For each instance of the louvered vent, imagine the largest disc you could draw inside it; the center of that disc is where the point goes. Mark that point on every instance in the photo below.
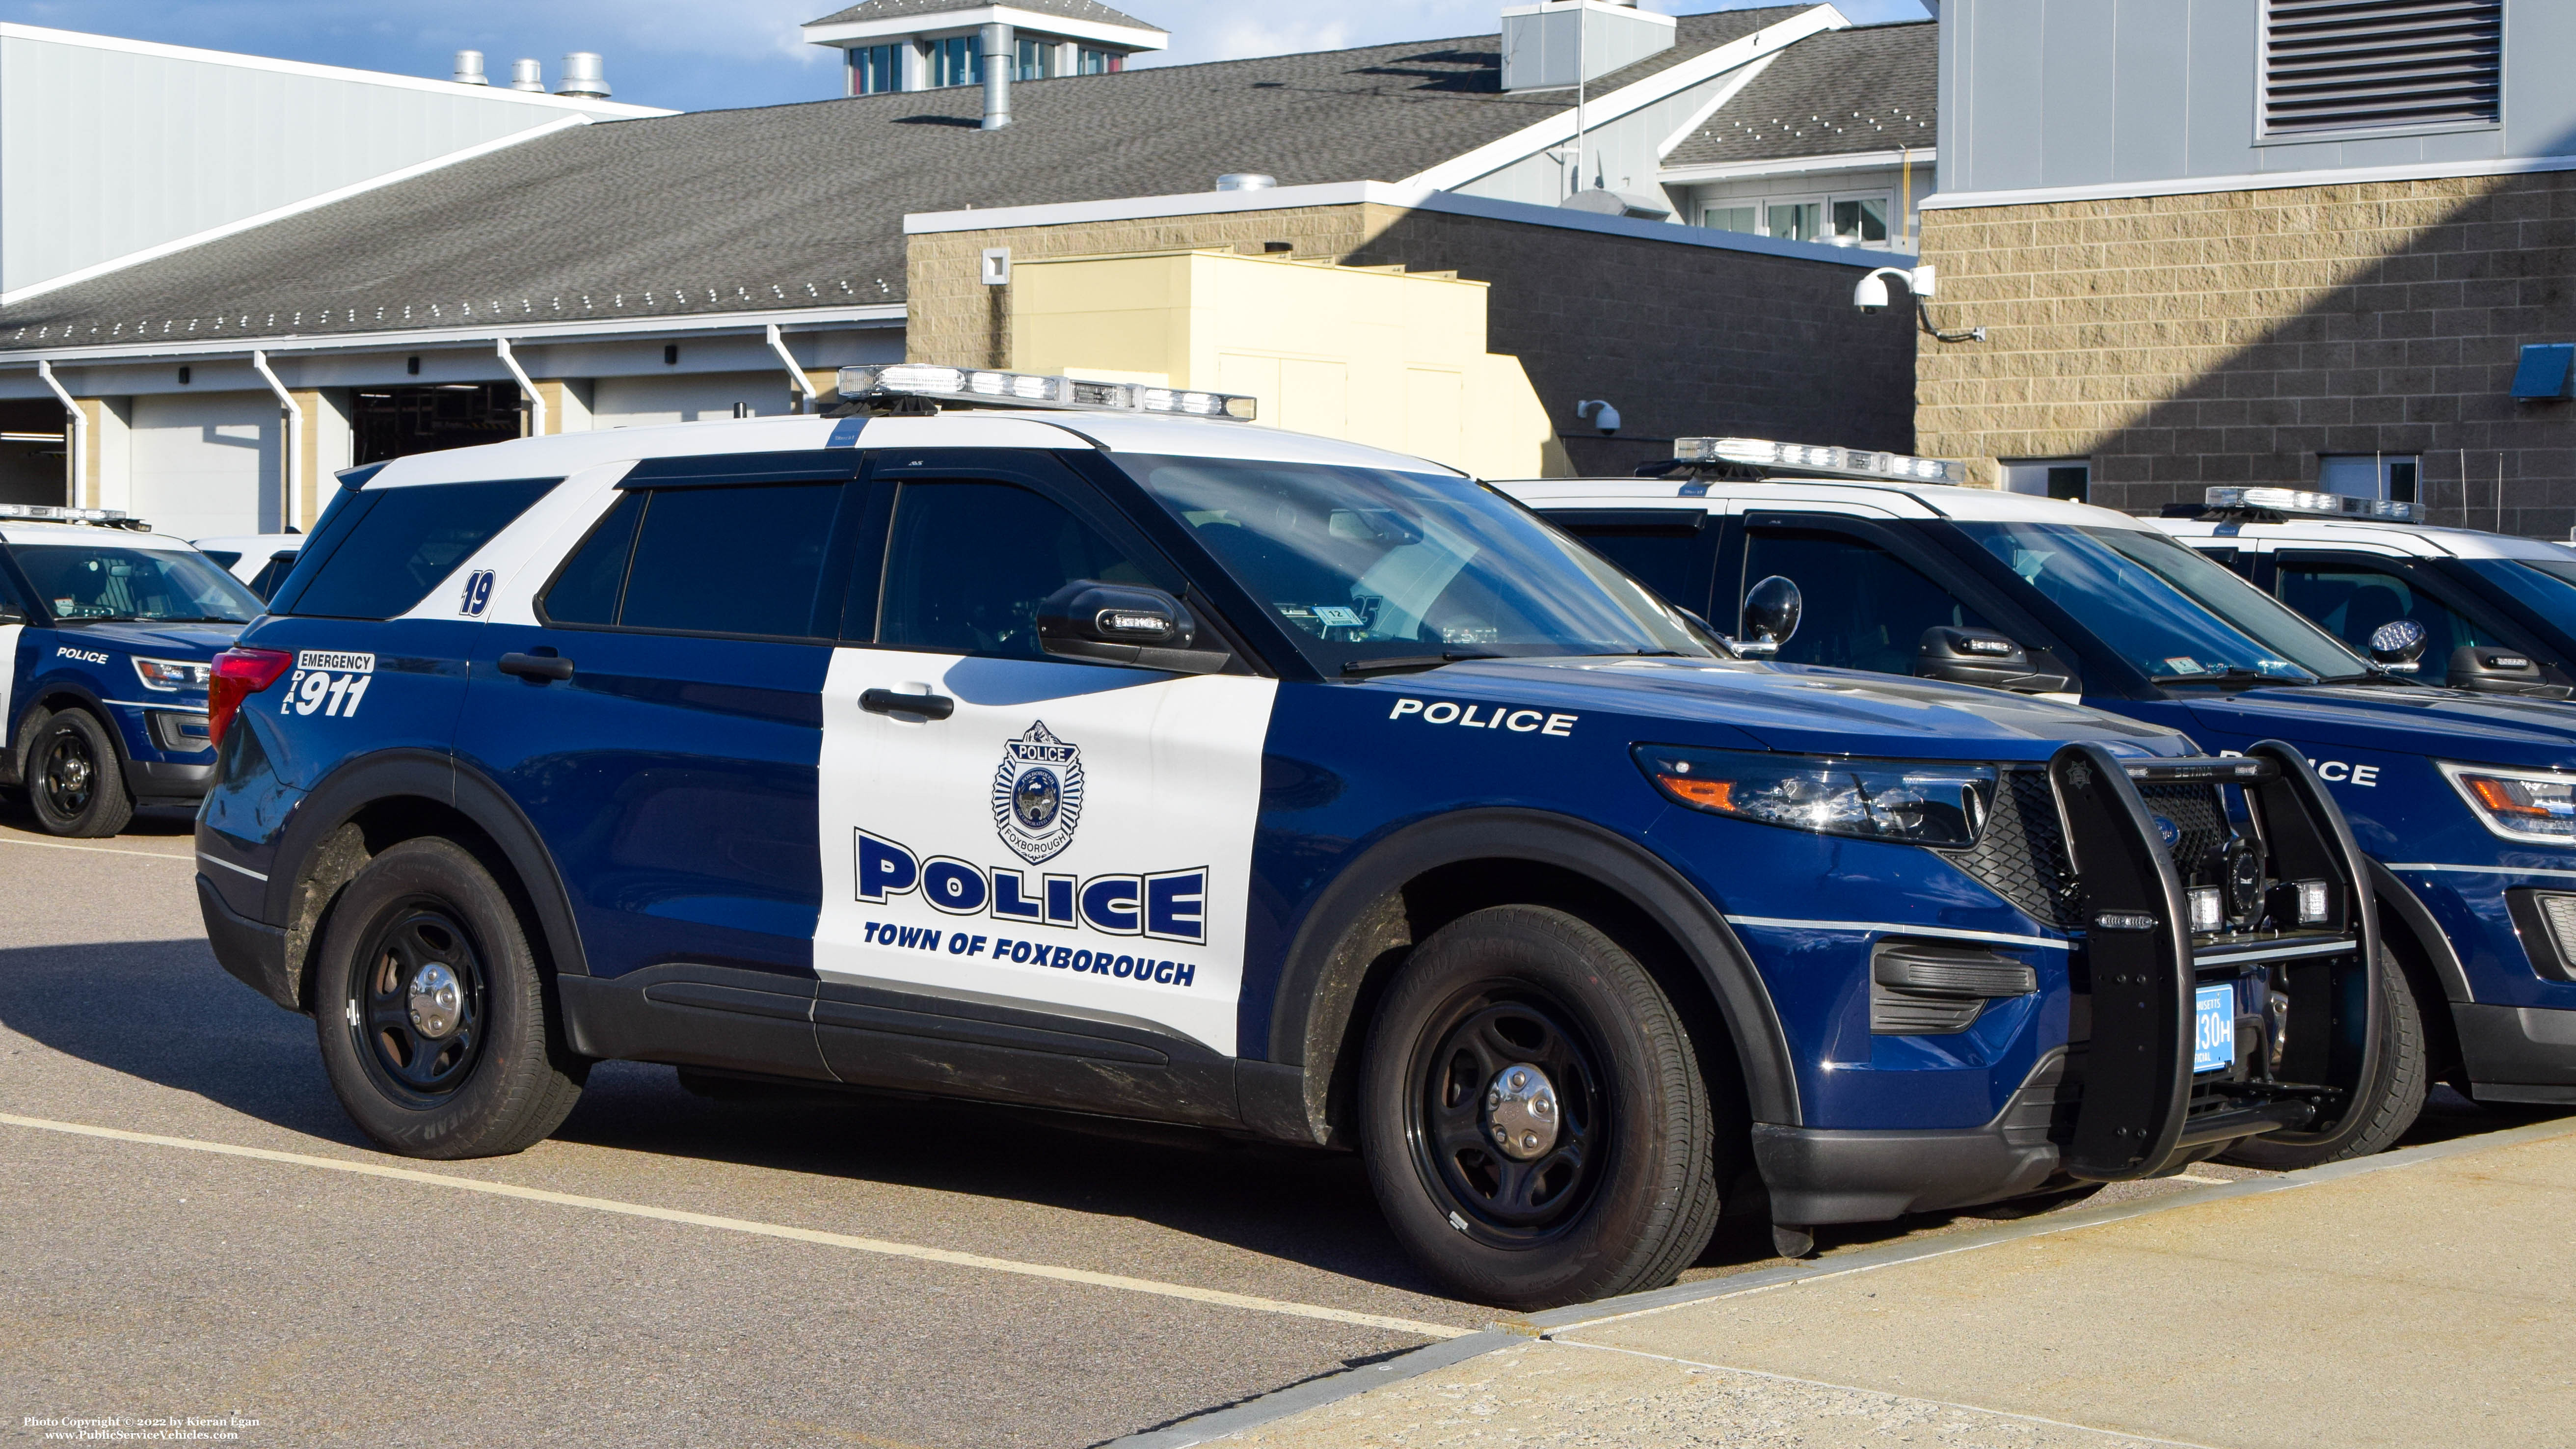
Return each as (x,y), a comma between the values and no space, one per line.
(2339,65)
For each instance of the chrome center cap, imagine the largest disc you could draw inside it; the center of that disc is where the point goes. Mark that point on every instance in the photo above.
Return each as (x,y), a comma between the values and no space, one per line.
(1521,1112)
(435,1000)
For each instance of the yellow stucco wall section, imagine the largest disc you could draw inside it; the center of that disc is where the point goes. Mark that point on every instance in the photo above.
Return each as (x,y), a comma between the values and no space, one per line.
(1374,355)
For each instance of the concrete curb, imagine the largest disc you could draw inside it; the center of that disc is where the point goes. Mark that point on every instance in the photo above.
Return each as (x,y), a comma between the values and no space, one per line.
(1331,1388)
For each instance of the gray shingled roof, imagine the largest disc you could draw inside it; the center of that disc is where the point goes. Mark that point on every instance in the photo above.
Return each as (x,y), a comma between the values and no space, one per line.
(900,9)
(802,205)
(1870,88)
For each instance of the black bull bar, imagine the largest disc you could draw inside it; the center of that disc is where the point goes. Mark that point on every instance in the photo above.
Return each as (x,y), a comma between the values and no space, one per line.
(2142,1112)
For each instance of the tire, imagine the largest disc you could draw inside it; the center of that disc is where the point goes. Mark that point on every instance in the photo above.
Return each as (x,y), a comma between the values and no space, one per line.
(1625,1194)
(460,1065)
(75,781)
(2388,1107)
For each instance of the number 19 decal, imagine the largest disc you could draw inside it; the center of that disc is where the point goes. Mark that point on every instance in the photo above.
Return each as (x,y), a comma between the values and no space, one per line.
(478,594)
(328,682)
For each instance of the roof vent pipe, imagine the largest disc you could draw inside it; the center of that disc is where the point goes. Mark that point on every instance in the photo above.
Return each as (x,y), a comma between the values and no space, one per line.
(583,77)
(1246,181)
(527,75)
(469,69)
(1001,57)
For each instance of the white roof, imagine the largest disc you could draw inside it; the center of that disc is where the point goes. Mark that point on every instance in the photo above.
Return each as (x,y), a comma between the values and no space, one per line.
(562,454)
(273,543)
(2413,540)
(37,535)
(1893,500)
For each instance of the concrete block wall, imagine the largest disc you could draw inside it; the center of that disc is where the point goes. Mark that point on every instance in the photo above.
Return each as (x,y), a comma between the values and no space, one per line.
(2235,337)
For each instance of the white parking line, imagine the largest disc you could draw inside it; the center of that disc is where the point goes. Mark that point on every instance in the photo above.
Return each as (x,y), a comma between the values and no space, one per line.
(757,1229)
(92,849)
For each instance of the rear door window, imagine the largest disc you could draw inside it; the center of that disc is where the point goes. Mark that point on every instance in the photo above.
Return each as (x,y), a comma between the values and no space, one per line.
(407,542)
(1667,550)
(2353,598)
(1865,608)
(747,561)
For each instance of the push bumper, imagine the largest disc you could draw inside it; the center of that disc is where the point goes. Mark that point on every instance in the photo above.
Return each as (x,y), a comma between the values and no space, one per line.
(2518,1053)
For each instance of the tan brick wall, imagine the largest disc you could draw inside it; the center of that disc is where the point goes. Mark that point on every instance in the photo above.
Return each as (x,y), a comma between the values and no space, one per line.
(2233,337)
(1683,339)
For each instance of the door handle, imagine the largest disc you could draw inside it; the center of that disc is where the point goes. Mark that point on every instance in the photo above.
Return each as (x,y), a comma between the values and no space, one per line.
(886,701)
(539,667)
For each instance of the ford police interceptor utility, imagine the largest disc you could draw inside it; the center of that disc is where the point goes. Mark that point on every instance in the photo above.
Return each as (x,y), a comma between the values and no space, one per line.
(2479,611)
(1097,756)
(2466,802)
(108,632)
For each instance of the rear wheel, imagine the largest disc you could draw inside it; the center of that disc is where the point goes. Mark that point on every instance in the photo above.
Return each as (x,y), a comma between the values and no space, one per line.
(75,785)
(431,1012)
(2388,1105)
(1534,1120)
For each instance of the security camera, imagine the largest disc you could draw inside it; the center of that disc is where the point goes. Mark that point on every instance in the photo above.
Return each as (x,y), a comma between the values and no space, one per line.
(1871,294)
(1603,416)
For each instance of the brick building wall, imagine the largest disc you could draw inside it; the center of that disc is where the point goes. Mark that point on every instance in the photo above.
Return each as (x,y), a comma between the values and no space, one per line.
(1682,339)
(2234,337)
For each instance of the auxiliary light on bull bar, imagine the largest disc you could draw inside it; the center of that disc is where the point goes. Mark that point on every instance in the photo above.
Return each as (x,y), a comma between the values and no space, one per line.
(1819,460)
(2312,505)
(980,387)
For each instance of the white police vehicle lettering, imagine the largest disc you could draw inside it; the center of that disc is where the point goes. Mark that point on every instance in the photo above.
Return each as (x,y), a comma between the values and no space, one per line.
(1502,717)
(84,656)
(327,682)
(2339,772)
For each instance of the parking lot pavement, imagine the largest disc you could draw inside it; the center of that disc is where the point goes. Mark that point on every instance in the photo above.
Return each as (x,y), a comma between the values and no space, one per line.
(189,1225)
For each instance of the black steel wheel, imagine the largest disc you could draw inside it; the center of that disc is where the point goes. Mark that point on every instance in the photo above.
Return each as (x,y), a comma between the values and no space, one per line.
(2388,1104)
(431,1010)
(1533,1116)
(75,782)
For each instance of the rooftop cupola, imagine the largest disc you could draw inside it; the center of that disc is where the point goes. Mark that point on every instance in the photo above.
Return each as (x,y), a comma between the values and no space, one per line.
(922,45)
(1556,44)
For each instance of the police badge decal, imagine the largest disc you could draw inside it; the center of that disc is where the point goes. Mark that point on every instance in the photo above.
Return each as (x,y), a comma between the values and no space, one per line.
(1037,794)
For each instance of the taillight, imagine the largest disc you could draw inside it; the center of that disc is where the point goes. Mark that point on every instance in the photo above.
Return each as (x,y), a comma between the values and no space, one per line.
(240,672)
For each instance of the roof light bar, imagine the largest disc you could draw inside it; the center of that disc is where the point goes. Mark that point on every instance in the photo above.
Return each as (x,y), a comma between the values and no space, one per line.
(1817,459)
(2321,505)
(982,387)
(41,513)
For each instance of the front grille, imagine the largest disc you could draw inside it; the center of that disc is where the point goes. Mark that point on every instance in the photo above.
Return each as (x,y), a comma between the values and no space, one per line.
(2021,855)
(2195,812)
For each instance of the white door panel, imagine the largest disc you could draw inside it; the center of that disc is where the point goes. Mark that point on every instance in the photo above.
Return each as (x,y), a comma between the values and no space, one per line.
(1074,835)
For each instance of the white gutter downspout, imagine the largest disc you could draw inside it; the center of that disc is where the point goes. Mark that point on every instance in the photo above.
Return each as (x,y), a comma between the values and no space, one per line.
(294,434)
(79,426)
(804,385)
(536,401)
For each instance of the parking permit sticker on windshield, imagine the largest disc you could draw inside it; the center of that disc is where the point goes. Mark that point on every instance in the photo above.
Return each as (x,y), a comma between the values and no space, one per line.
(1334,616)
(328,681)
(2183,664)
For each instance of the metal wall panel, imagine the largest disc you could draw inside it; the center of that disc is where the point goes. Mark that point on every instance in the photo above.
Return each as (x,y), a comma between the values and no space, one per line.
(207,463)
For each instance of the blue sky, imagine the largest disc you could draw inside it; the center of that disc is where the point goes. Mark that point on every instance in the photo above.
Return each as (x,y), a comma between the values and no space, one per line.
(695,55)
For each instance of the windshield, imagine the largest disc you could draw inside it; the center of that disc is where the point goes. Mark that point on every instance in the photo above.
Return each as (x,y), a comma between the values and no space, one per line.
(98,581)
(1365,566)
(2177,616)
(2546,586)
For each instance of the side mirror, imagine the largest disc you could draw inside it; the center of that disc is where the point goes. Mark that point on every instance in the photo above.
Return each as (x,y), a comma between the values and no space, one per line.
(1122,624)
(2482,669)
(1771,610)
(1981,656)
(2398,644)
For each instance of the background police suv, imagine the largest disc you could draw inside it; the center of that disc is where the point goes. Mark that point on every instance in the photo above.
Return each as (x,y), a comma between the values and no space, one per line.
(2466,802)
(1178,769)
(107,632)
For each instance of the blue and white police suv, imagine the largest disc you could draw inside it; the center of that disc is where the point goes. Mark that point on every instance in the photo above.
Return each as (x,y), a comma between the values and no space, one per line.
(2465,802)
(1106,753)
(108,632)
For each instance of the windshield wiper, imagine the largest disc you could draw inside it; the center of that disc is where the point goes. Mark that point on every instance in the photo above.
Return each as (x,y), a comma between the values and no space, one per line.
(1407,663)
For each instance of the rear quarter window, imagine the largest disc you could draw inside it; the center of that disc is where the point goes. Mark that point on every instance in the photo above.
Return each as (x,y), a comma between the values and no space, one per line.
(406,543)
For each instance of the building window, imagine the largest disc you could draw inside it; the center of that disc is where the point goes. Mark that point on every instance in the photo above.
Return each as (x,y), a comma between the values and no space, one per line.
(2392,476)
(1797,220)
(952,61)
(2067,478)
(1037,58)
(876,69)
(1102,62)
(2341,65)
(1730,218)
(1860,221)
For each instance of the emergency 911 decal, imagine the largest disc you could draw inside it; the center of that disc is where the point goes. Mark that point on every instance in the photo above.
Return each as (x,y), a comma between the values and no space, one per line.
(328,683)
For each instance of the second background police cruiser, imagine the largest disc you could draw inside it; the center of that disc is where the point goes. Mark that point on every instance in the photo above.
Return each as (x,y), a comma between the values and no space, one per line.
(108,632)
(1176,769)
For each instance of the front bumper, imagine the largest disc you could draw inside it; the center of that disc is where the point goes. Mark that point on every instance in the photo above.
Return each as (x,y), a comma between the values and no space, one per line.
(2529,1052)
(160,782)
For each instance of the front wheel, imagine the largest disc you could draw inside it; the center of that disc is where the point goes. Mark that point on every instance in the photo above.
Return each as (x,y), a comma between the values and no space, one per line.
(431,1012)
(1533,1116)
(75,785)
(2388,1105)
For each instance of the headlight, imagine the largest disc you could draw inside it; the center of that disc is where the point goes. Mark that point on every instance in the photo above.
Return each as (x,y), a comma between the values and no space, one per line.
(2532,805)
(1919,804)
(168,674)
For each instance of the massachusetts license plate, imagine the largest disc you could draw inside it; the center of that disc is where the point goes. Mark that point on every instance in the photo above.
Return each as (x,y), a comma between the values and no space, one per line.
(2213,1037)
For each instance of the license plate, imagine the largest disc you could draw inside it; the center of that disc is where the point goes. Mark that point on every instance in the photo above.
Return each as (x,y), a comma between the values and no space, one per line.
(2213,1037)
